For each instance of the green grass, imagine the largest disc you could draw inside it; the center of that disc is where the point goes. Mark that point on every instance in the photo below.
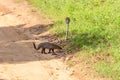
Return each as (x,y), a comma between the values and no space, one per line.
(94,27)
(112,71)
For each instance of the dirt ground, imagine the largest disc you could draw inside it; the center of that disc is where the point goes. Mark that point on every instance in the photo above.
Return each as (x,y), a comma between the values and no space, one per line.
(20,25)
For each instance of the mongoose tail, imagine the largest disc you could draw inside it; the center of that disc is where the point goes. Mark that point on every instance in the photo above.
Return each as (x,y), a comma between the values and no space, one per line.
(35,46)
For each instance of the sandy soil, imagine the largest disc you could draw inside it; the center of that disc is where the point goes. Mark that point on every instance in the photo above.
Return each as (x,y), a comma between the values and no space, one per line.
(20,25)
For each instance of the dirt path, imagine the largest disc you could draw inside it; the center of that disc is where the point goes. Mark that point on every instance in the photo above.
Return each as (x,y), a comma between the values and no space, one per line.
(18,59)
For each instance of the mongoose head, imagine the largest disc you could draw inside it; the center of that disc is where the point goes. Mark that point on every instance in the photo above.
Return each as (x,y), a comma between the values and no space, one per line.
(58,47)
(60,50)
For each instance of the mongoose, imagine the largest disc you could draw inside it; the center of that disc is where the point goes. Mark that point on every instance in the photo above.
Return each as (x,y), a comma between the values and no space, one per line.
(47,45)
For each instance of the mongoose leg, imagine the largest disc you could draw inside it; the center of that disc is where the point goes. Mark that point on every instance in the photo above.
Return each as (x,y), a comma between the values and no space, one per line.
(49,50)
(44,51)
(53,52)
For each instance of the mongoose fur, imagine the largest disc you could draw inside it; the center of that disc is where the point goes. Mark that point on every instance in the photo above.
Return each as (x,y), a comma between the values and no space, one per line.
(47,45)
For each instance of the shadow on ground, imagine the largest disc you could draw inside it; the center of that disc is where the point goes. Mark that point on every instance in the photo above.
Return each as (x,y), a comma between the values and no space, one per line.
(16,45)
(85,40)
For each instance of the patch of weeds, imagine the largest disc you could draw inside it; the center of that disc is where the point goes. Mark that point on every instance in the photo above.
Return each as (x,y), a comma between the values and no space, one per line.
(103,68)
